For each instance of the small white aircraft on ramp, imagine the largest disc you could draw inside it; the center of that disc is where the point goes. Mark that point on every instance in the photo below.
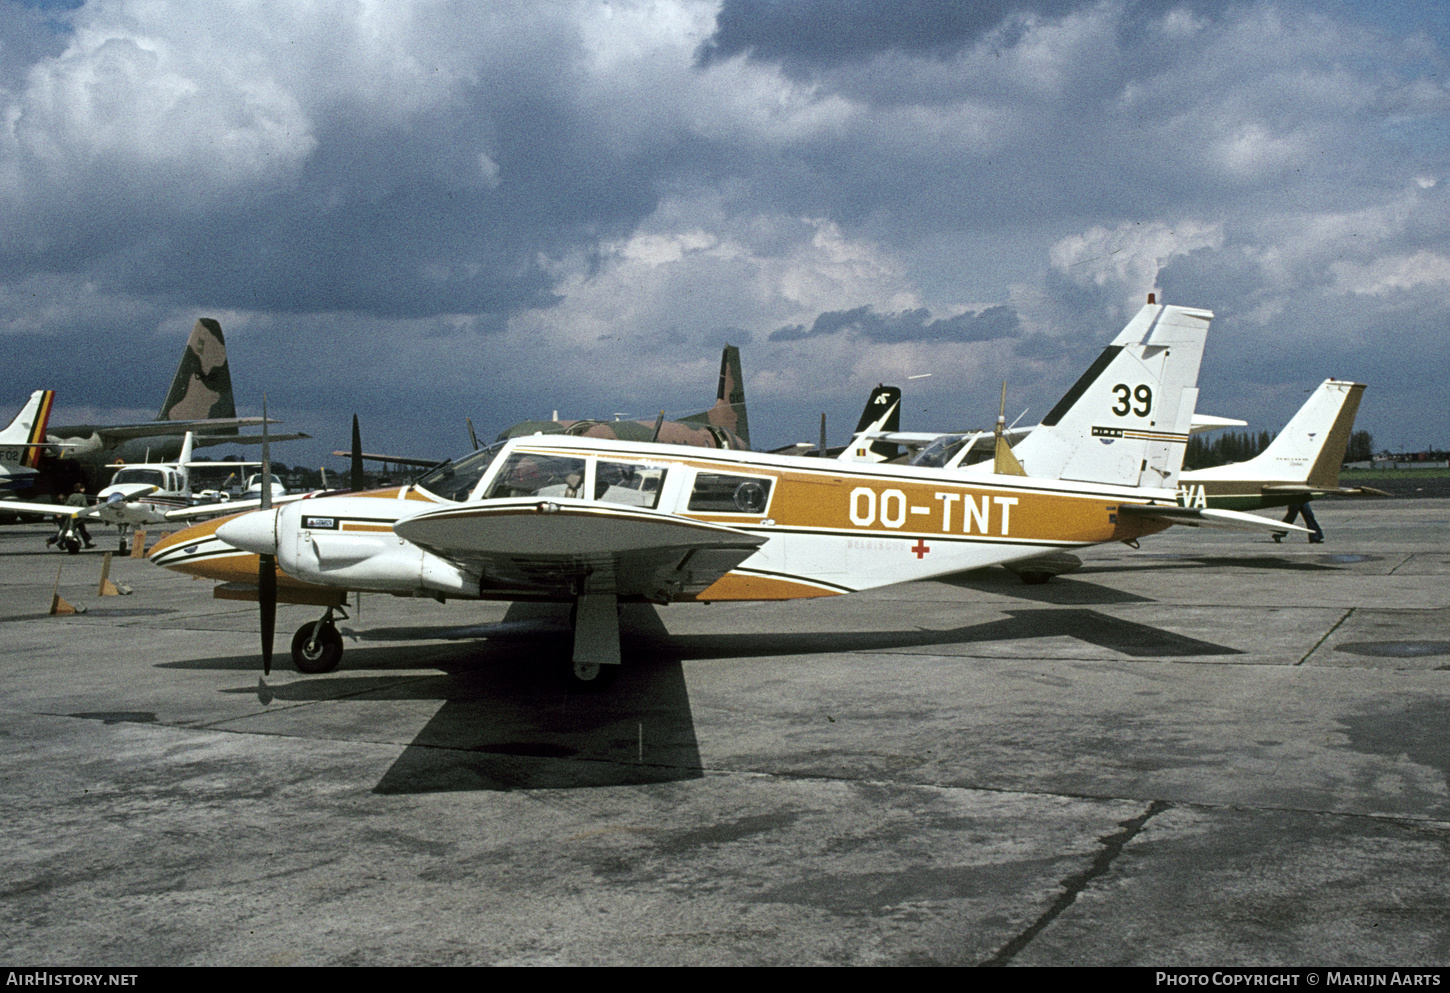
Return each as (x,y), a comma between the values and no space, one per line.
(138,495)
(598,522)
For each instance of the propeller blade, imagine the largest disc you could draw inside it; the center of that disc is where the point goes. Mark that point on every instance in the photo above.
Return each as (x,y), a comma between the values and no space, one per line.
(823,446)
(471,435)
(266,461)
(659,421)
(267,564)
(267,599)
(356,482)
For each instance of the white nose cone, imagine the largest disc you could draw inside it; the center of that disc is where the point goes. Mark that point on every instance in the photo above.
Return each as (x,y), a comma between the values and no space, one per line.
(254,532)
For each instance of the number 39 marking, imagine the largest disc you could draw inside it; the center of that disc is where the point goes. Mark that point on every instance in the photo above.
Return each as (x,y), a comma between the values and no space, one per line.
(1141,393)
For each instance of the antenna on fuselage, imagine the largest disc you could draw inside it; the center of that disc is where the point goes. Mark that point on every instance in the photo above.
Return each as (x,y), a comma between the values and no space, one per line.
(1006,463)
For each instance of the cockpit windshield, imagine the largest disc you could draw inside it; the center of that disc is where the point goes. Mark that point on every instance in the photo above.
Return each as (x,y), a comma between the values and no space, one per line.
(941,451)
(456,480)
(151,477)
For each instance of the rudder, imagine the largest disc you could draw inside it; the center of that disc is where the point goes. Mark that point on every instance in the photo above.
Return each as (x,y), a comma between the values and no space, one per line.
(202,387)
(1126,420)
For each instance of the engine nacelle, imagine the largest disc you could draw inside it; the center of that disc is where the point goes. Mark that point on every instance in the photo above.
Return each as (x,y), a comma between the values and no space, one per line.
(346,542)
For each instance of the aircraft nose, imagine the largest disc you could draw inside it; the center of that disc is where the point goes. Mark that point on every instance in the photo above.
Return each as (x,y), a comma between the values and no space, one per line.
(254,532)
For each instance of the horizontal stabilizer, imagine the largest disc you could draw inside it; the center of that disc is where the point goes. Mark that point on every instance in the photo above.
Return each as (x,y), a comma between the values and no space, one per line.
(1206,517)
(1207,422)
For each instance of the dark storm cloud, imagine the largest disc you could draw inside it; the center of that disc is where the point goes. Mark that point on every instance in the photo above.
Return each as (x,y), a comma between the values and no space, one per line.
(910,325)
(821,32)
(818,33)
(454,208)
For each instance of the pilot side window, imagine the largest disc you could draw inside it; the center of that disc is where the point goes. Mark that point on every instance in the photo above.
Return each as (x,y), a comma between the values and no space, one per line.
(632,485)
(529,474)
(718,493)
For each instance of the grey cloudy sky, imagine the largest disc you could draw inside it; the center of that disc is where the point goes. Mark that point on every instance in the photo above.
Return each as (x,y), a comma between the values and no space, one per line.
(423,211)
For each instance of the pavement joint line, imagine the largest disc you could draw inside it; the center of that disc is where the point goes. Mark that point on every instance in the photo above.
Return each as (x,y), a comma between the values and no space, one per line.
(1315,647)
(1403,561)
(1112,846)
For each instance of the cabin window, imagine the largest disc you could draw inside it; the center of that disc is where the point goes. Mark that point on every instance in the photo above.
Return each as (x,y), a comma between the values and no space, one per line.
(718,493)
(629,484)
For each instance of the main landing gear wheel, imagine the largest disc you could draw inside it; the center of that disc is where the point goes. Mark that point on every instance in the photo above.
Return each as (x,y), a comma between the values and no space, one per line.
(316,654)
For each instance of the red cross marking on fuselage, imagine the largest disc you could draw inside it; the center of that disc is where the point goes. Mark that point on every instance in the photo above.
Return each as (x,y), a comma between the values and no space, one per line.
(920,548)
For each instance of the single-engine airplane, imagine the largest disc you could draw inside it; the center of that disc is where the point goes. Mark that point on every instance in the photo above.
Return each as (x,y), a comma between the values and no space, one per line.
(596,522)
(1300,464)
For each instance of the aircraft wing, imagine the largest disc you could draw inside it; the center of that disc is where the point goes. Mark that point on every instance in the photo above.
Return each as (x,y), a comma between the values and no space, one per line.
(1207,517)
(396,459)
(150,429)
(50,509)
(207,440)
(229,506)
(567,544)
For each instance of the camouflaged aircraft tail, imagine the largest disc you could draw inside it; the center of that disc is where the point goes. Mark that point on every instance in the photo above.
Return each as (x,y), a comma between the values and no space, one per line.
(729,410)
(202,388)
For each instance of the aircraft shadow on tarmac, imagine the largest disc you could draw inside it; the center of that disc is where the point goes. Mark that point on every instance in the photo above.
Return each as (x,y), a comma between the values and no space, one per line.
(1278,563)
(506,723)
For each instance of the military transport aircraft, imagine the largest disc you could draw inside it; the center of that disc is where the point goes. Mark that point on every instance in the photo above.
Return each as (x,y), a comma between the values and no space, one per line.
(596,522)
(199,401)
(21,443)
(1300,464)
(724,425)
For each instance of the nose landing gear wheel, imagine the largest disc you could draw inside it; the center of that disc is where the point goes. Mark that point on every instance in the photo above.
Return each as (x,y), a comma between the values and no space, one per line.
(588,677)
(315,655)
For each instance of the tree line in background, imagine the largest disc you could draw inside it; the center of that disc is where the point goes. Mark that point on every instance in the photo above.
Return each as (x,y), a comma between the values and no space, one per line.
(1224,447)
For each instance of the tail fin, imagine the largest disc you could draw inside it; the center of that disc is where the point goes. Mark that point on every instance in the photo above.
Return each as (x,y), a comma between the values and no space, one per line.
(1311,447)
(188,441)
(203,384)
(27,430)
(729,409)
(882,413)
(1126,420)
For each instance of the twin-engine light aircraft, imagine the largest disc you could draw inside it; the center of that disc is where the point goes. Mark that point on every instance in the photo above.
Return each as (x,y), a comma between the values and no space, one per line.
(597,522)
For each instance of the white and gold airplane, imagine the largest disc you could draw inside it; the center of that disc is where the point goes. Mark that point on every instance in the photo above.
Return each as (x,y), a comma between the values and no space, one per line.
(596,522)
